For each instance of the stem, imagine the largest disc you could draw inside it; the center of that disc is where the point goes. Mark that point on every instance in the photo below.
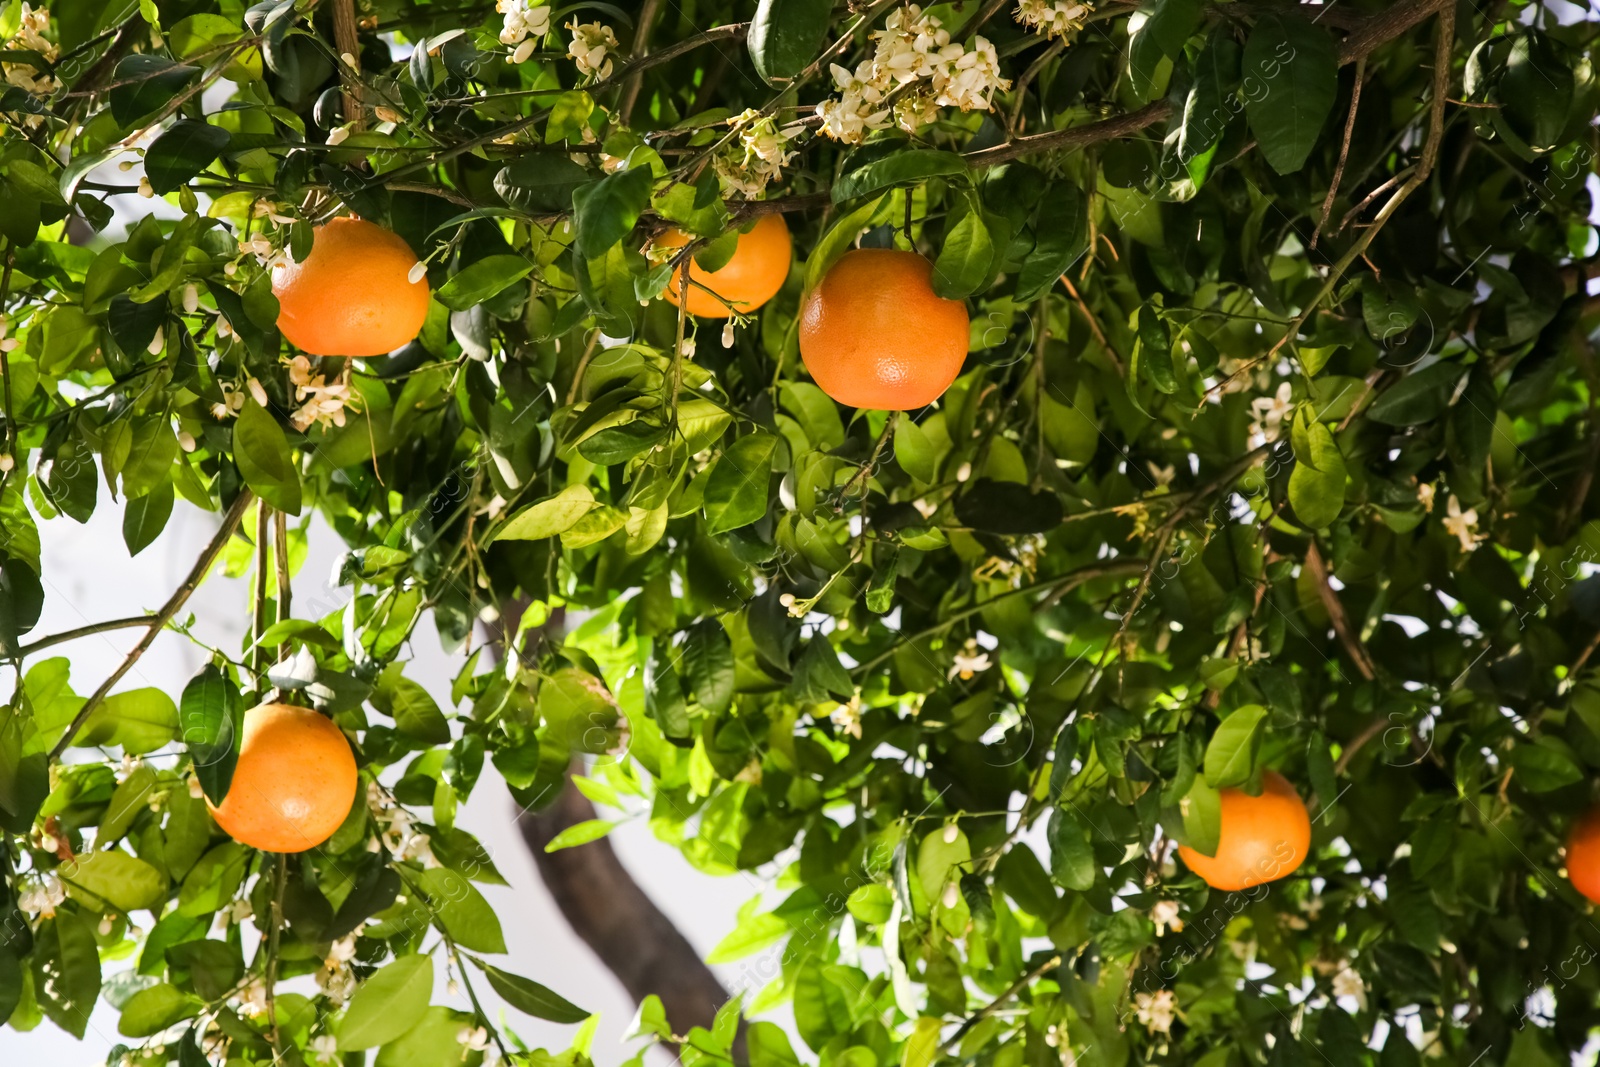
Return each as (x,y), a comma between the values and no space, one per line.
(5,366)
(180,596)
(280,544)
(994,1005)
(280,881)
(641,46)
(258,611)
(348,42)
(83,631)
(863,475)
(1344,151)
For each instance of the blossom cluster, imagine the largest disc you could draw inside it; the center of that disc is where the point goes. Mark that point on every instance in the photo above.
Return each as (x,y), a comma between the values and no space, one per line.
(915,69)
(321,402)
(525,24)
(1054,18)
(759,156)
(593,44)
(30,38)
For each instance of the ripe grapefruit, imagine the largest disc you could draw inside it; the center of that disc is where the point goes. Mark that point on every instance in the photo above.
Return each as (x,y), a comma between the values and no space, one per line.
(1263,838)
(353,295)
(1583,855)
(755,273)
(294,782)
(874,334)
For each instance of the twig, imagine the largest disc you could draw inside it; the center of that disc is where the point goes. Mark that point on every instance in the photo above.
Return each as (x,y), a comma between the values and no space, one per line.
(83,631)
(348,43)
(1094,326)
(1348,753)
(994,1005)
(1430,155)
(280,882)
(5,368)
(1344,151)
(1341,622)
(280,545)
(863,476)
(158,621)
(641,47)
(258,609)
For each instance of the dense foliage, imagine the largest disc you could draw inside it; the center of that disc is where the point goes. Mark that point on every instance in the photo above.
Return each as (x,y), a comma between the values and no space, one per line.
(1273,449)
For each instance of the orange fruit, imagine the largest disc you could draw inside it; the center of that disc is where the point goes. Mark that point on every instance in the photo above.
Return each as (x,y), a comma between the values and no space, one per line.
(1263,838)
(353,295)
(1583,855)
(294,782)
(873,333)
(757,270)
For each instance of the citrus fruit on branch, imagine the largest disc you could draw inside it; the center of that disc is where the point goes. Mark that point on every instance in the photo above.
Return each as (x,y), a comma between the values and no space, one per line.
(752,276)
(353,295)
(874,334)
(294,782)
(1583,855)
(1263,838)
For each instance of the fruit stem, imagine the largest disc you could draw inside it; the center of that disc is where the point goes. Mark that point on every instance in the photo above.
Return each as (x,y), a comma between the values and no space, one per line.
(258,613)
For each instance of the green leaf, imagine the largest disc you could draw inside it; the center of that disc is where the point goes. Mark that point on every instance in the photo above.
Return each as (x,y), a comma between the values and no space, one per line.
(482,281)
(150,1011)
(541,182)
(581,834)
(708,666)
(914,450)
(1008,508)
(963,264)
(1071,856)
(387,1004)
(1291,79)
(871,904)
(125,882)
(139,720)
(143,83)
(150,458)
(266,464)
(211,720)
(842,234)
(1201,808)
(1419,397)
(901,168)
(1542,765)
(1060,231)
(435,1041)
(1536,90)
(736,493)
(767,1045)
(1154,354)
(550,516)
(66,970)
(21,600)
(463,911)
(413,709)
(145,517)
(1316,487)
(1158,31)
(1231,754)
(531,998)
(606,211)
(183,151)
(786,35)
(1206,113)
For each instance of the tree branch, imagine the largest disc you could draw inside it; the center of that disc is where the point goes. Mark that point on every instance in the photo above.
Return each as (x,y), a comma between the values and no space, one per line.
(159,620)
(1341,622)
(83,631)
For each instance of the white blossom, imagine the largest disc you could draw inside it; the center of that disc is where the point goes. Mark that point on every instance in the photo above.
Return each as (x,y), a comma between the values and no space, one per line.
(321,402)
(847,717)
(758,159)
(969,661)
(1061,18)
(1425,493)
(1348,983)
(1463,525)
(1269,413)
(44,898)
(1157,1010)
(592,46)
(325,1047)
(524,25)
(30,38)
(968,79)
(1164,913)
